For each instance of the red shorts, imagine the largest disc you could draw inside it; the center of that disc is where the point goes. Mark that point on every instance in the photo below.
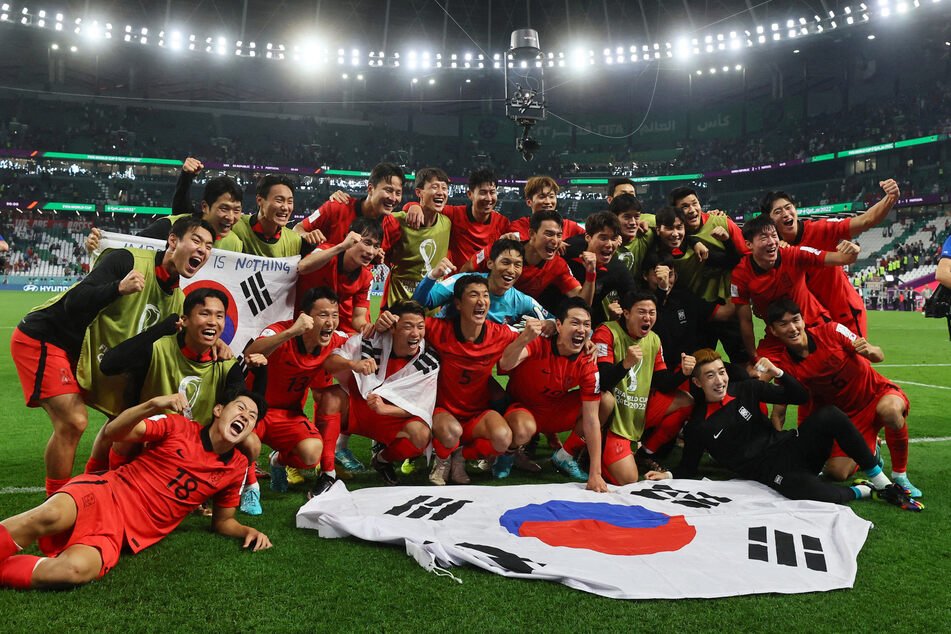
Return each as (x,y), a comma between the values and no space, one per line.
(283,429)
(657,405)
(468,424)
(363,421)
(868,423)
(560,414)
(615,448)
(45,370)
(98,522)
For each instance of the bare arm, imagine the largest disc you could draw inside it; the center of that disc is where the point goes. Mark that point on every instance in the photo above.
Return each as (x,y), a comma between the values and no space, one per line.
(129,426)
(867,350)
(744,314)
(224,523)
(846,253)
(321,257)
(513,353)
(267,345)
(877,212)
(592,438)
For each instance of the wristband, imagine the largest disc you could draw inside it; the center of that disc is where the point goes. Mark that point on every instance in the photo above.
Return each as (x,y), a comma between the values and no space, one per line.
(670,476)
(590,276)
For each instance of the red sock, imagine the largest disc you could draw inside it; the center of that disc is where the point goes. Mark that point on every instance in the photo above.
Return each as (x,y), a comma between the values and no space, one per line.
(52,486)
(17,571)
(479,448)
(441,450)
(94,465)
(401,449)
(668,428)
(573,444)
(293,460)
(8,547)
(116,460)
(251,477)
(897,441)
(329,425)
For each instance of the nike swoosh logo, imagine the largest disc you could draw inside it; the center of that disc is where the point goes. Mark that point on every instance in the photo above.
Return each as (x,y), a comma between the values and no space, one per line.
(717,435)
(180,454)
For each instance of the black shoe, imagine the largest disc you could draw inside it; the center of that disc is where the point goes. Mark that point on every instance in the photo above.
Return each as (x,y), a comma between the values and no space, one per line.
(645,462)
(324,482)
(532,446)
(385,469)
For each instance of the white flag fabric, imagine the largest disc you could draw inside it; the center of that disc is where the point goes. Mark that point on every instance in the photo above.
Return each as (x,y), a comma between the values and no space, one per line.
(649,540)
(260,290)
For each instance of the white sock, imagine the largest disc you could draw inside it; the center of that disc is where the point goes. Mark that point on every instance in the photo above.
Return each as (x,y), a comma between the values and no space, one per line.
(332,473)
(252,487)
(880,480)
(899,474)
(561,454)
(343,441)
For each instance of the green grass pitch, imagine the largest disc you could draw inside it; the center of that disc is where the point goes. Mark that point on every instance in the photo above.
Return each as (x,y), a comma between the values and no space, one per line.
(194,580)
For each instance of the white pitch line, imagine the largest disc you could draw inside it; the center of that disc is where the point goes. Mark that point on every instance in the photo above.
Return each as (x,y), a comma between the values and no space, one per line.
(6,490)
(938,387)
(941,439)
(912,365)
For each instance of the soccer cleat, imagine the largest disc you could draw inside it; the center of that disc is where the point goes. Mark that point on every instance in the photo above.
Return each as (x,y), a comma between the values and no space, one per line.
(569,468)
(293,475)
(278,475)
(878,456)
(457,468)
(503,465)
(385,469)
(906,484)
(324,482)
(251,502)
(532,446)
(408,466)
(261,473)
(484,464)
(524,463)
(645,462)
(440,471)
(349,462)
(895,494)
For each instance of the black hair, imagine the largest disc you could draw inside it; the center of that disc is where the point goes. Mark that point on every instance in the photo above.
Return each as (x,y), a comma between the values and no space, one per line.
(368,227)
(267,182)
(189,223)
(236,391)
(540,216)
(757,225)
(679,193)
(602,220)
(218,187)
(632,297)
(776,310)
(428,174)
(666,216)
(466,280)
(383,172)
(407,307)
(625,203)
(198,296)
(506,244)
(614,182)
(315,293)
(770,198)
(653,259)
(570,303)
(478,177)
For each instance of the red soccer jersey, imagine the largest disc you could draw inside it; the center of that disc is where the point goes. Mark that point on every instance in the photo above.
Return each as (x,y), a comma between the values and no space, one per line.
(546,375)
(603,338)
(291,369)
(353,289)
(469,236)
(466,367)
(333,220)
(834,373)
(830,285)
(522,227)
(177,471)
(534,279)
(761,287)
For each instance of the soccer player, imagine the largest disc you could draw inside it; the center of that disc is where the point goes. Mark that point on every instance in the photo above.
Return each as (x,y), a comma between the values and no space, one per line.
(384,191)
(262,233)
(733,428)
(390,382)
(542,269)
(541,194)
(833,363)
(611,277)
(636,236)
(619,186)
(772,272)
(469,346)
(83,528)
(710,229)
(346,268)
(645,391)
(419,249)
(296,350)
(507,304)
(474,225)
(126,292)
(943,272)
(830,286)
(542,375)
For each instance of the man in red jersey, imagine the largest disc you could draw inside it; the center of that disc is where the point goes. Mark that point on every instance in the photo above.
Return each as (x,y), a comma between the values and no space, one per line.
(346,268)
(469,347)
(772,272)
(834,365)
(541,194)
(388,386)
(542,375)
(830,286)
(330,222)
(83,527)
(296,351)
(474,226)
(542,269)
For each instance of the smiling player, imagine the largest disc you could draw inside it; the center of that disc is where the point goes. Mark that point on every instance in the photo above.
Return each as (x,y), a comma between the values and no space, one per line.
(262,233)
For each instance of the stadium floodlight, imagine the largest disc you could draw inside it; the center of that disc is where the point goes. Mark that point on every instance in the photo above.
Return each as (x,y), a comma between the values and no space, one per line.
(902,7)
(739,67)
(759,28)
(415,80)
(360,77)
(849,20)
(54,46)
(761,39)
(432,81)
(871,36)
(713,71)
(774,26)
(73,49)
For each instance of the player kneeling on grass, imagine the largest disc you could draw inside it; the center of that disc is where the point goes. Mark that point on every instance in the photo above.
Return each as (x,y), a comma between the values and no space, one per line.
(732,426)
(543,375)
(83,527)
(391,380)
(834,365)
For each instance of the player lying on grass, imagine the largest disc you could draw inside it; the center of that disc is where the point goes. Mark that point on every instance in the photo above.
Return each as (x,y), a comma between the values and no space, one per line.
(83,527)
(835,365)
(732,426)
(388,386)
(542,375)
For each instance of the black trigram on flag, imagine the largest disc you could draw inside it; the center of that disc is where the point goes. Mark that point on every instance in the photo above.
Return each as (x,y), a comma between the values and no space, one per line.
(428,507)
(367,351)
(504,559)
(255,291)
(784,548)
(698,500)
(427,362)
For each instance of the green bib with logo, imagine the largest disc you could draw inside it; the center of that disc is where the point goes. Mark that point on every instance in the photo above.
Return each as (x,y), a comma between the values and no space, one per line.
(630,394)
(415,255)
